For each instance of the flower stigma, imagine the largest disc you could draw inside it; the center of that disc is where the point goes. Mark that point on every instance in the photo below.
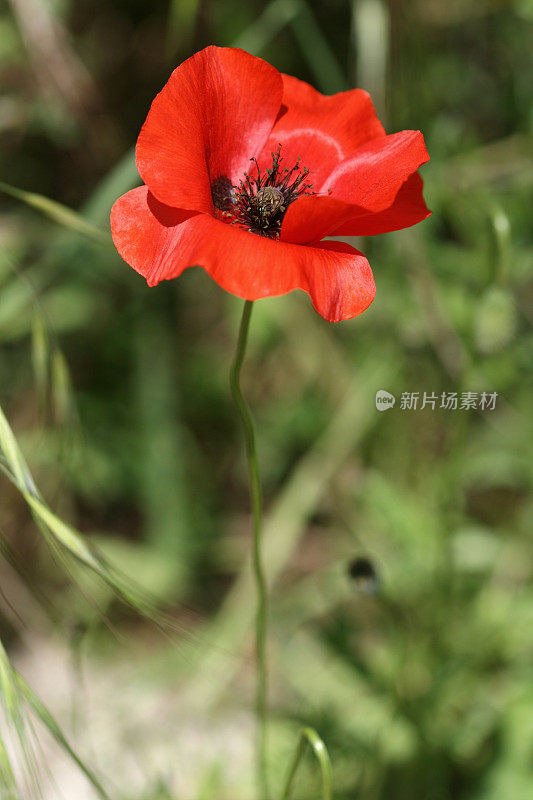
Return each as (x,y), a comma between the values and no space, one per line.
(259,203)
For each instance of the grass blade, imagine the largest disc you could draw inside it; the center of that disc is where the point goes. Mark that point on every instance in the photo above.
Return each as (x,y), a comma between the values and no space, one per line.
(274,18)
(18,725)
(182,15)
(8,786)
(44,715)
(57,212)
(310,737)
(65,540)
(320,56)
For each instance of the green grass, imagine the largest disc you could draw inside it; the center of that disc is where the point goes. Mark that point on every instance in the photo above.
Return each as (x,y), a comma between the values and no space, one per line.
(123,504)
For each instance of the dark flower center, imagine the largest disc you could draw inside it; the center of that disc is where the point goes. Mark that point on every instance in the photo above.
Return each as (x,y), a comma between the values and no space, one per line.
(259,203)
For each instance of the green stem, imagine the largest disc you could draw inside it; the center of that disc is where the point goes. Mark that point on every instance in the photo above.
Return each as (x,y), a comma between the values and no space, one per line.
(257,557)
(310,737)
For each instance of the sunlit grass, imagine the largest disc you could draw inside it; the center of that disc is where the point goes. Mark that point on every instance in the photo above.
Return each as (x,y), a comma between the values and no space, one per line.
(116,421)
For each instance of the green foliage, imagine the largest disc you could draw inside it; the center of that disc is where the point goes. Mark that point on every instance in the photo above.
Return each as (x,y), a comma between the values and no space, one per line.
(117,398)
(17,697)
(310,737)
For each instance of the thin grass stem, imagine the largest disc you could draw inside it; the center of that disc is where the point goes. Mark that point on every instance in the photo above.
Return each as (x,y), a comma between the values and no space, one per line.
(310,737)
(257,556)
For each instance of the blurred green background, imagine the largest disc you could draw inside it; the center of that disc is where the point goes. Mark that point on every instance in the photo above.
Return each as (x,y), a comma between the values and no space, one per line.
(118,394)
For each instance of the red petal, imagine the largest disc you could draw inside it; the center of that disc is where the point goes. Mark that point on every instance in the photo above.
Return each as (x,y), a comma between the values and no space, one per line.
(214,113)
(322,130)
(160,243)
(372,180)
(407,209)
(310,218)
(372,176)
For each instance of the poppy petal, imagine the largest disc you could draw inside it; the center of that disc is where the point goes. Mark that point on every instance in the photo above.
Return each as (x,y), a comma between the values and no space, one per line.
(310,218)
(408,209)
(160,242)
(373,175)
(214,113)
(321,130)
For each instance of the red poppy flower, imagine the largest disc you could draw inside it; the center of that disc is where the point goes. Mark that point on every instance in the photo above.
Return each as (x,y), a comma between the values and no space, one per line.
(247,170)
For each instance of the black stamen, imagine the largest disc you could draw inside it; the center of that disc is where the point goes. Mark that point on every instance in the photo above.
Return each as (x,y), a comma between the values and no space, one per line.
(260,203)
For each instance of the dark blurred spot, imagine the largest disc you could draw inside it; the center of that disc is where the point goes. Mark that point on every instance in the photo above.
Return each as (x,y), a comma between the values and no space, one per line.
(77,630)
(321,518)
(222,193)
(363,575)
(494,505)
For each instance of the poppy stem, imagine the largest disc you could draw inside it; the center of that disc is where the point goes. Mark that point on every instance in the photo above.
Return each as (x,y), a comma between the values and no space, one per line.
(257,555)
